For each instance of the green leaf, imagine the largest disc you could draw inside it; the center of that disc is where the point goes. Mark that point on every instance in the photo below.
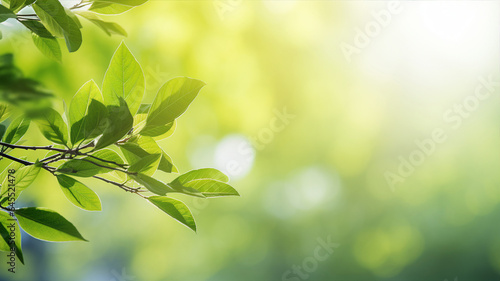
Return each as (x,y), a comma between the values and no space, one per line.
(160,188)
(16,130)
(87,113)
(48,46)
(108,27)
(152,184)
(174,208)
(58,22)
(2,131)
(166,164)
(205,173)
(89,166)
(37,28)
(6,228)
(113,7)
(6,14)
(145,163)
(51,125)
(45,224)
(14,5)
(4,111)
(212,188)
(160,132)
(173,98)
(119,122)
(21,179)
(140,147)
(124,79)
(79,194)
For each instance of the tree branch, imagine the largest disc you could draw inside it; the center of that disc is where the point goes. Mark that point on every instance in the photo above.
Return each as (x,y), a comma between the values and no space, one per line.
(24,162)
(48,147)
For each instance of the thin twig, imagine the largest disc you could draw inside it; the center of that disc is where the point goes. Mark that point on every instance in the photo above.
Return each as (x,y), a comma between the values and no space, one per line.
(48,147)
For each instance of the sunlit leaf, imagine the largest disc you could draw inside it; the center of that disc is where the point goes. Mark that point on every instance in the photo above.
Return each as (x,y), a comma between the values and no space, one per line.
(108,27)
(79,194)
(8,225)
(124,79)
(45,224)
(16,130)
(212,188)
(51,125)
(174,208)
(48,46)
(87,113)
(173,98)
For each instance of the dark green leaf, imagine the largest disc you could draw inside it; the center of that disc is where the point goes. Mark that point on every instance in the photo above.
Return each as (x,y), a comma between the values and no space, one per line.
(37,28)
(6,13)
(119,123)
(58,22)
(166,164)
(146,163)
(87,113)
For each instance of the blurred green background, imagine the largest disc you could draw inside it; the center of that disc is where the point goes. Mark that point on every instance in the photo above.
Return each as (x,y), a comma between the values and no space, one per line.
(319,177)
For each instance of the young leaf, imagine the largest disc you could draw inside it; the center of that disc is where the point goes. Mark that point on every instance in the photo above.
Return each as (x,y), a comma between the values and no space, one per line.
(4,111)
(173,98)
(45,224)
(135,150)
(58,22)
(124,79)
(145,163)
(80,168)
(159,132)
(166,165)
(87,113)
(152,184)
(16,130)
(160,188)
(212,188)
(113,7)
(48,46)
(79,194)
(119,123)
(6,14)
(174,208)
(108,27)
(51,125)
(205,173)
(9,225)
(21,179)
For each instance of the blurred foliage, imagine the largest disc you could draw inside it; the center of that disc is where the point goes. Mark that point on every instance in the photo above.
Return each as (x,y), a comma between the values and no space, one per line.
(323,175)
